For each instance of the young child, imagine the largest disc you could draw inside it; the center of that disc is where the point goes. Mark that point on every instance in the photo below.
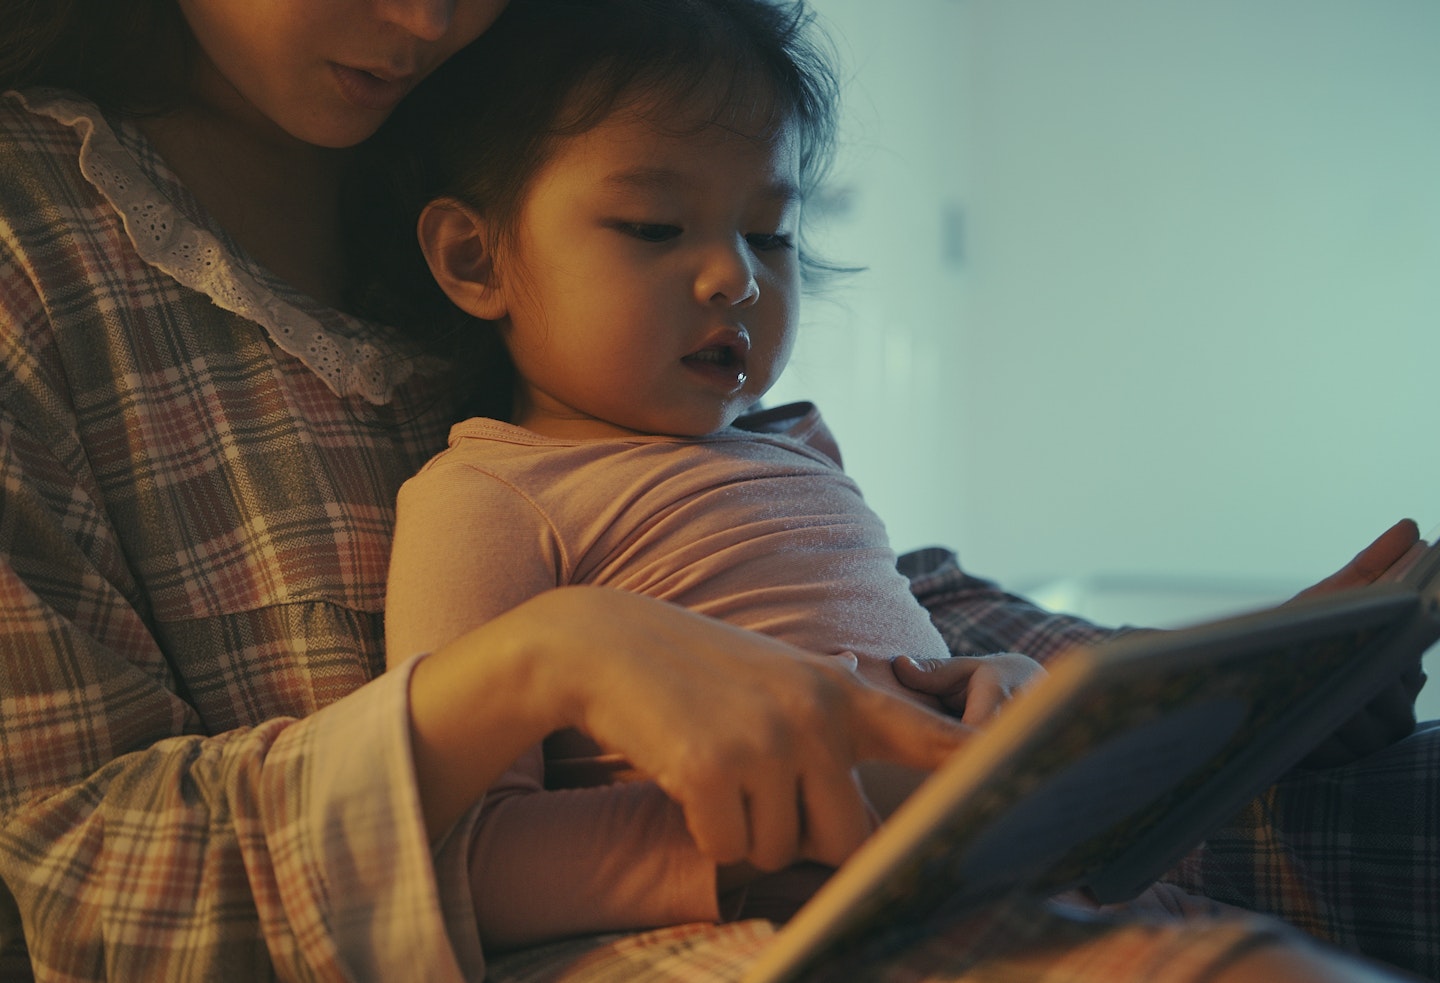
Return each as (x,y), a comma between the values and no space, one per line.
(625,223)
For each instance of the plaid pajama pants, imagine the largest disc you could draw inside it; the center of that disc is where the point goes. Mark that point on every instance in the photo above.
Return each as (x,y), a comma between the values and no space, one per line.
(1350,855)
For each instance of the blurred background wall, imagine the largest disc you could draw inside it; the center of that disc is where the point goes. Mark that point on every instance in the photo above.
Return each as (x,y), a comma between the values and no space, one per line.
(1150,321)
(1152,286)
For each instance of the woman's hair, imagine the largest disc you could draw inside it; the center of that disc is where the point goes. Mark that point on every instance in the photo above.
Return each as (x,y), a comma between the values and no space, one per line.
(118,53)
(484,124)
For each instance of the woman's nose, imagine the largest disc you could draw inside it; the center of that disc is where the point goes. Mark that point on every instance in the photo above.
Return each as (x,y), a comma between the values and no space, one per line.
(728,277)
(427,20)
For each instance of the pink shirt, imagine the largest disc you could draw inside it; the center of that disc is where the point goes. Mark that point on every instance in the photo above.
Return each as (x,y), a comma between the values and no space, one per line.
(760,530)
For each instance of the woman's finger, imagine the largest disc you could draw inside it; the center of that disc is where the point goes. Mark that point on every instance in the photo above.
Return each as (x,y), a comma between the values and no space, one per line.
(836,819)
(718,716)
(1372,561)
(773,810)
(718,819)
(890,728)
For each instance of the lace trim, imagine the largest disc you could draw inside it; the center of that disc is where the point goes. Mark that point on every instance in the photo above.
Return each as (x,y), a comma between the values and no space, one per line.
(199,259)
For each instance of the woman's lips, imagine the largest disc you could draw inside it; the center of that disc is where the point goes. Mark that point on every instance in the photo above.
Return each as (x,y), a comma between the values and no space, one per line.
(368,90)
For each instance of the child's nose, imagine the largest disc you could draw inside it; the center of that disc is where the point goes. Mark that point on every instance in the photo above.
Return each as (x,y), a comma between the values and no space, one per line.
(728,277)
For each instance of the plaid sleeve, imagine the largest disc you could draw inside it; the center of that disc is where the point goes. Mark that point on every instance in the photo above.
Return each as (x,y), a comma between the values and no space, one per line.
(239,857)
(135,850)
(136,844)
(976,617)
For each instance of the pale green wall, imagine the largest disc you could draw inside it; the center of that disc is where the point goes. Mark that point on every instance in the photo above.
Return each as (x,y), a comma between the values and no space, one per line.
(1195,326)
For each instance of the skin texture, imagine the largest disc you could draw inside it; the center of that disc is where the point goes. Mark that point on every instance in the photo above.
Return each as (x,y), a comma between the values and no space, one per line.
(637,249)
(754,739)
(260,139)
(261,135)
(1391,715)
(273,63)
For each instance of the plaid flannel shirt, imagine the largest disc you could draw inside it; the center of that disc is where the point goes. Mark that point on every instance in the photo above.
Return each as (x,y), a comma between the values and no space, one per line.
(202,776)
(195,531)
(197,781)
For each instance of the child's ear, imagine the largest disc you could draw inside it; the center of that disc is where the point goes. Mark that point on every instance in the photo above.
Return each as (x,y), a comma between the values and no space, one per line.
(455,239)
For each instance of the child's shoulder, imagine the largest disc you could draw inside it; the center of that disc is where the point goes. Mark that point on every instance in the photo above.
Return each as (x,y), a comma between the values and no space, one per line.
(799,423)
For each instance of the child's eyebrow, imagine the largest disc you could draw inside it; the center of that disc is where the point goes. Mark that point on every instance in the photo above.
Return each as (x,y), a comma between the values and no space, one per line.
(663,178)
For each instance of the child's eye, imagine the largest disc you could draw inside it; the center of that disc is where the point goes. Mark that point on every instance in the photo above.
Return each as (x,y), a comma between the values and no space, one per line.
(769,241)
(649,231)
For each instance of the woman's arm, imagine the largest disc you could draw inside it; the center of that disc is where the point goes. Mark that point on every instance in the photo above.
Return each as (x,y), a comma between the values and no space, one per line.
(754,739)
(136,844)
(163,815)
(468,550)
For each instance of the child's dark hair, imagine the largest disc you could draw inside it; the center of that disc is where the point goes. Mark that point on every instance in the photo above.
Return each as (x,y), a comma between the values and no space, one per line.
(482,126)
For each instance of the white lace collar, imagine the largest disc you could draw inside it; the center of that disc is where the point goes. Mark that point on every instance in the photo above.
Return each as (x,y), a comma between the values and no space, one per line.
(352,356)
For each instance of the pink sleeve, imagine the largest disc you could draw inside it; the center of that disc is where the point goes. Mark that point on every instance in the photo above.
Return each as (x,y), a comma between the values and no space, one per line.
(543,864)
(468,547)
(549,864)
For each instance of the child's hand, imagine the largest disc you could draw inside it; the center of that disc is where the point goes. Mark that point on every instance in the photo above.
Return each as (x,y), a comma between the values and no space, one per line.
(880,672)
(975,686)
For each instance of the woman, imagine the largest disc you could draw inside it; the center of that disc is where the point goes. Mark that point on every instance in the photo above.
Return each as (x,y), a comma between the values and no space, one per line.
(204,776)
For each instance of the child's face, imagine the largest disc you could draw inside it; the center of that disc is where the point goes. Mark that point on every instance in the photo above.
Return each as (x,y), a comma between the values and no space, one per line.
(653,284)
(327,72)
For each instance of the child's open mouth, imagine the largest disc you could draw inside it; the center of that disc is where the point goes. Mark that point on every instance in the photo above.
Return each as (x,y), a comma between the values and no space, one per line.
(721,363)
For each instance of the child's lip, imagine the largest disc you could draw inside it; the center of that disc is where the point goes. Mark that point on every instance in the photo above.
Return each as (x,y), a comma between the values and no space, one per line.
(735,339)
(722,357)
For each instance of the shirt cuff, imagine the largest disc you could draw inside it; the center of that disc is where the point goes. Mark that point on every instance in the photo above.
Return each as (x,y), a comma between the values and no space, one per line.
(352,859)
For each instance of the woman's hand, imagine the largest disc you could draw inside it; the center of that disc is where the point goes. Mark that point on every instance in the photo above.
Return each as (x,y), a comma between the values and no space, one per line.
(975,687)
(1391,714)
(1367,565)
(754,739)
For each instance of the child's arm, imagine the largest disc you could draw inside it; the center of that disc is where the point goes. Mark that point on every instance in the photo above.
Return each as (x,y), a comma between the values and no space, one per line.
(467,549)
(544,864)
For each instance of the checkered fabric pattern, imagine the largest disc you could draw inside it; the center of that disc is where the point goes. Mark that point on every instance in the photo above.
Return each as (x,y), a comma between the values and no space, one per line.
(1013,943)
(195,532)
(200,775)
(975,617)
(1350,854)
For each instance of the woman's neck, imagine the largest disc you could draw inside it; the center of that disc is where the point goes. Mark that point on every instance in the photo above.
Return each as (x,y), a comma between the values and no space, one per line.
(276,196)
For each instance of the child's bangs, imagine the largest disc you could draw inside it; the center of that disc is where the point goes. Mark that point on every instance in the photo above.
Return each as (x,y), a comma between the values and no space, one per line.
(690,64)
(682,99)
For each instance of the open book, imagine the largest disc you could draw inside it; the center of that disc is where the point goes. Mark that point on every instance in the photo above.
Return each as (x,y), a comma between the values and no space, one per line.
(1112,768)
